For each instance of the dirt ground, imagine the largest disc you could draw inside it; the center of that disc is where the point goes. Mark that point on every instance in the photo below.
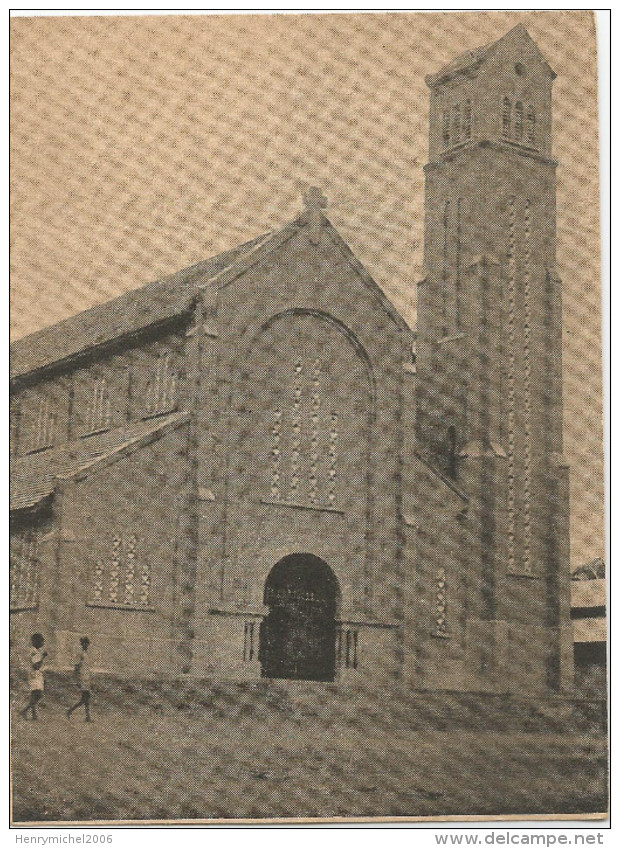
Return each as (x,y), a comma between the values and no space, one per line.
(306,750)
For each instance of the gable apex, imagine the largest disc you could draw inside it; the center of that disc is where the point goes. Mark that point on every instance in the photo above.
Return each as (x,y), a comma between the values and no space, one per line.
(469,62)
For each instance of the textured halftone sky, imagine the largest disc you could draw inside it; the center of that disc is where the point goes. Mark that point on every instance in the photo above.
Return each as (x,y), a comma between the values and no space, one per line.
(143,144)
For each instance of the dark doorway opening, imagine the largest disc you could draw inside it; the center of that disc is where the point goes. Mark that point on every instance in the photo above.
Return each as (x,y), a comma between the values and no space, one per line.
(298,636)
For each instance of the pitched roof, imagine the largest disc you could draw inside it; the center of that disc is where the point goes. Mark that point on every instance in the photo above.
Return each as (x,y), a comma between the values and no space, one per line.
(34,477)
(128,313)
(166,299)
(471,60)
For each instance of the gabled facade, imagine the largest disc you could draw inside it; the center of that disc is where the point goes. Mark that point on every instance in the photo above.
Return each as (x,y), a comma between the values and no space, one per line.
(255,467)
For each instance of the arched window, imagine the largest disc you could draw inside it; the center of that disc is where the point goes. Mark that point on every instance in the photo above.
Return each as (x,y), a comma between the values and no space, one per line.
(519,121)
(446,129)
(506,113)
(531,126)
(467,121)
(452,451)
(456,125)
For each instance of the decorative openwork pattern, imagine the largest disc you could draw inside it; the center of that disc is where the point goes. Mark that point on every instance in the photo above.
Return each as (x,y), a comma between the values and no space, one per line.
(115,569)
(296,441)
(130,570)
(98,583)
(304,444)
(145,585)
(527,411)
(511,384)
(24,578)
(276,454)
(314,439)
(333,458)
(122,572)
(441,603)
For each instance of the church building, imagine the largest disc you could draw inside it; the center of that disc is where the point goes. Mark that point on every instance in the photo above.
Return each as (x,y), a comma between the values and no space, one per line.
(255,467)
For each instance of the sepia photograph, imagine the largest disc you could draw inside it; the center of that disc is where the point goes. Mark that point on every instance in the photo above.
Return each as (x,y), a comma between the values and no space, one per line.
(307,504)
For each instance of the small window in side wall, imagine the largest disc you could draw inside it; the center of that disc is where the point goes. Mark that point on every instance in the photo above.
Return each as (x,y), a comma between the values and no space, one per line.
(506,117)
(161,392)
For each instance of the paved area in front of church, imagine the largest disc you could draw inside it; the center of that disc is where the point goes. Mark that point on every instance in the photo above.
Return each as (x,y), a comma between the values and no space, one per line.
(300,750)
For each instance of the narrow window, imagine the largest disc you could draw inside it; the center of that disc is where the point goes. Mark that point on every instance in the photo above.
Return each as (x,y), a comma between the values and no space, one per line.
(519,121)
(506,118)
(531,126)
(350,646)
(456,125)
(446,129)
(98,415)
(467,121)
(248,641)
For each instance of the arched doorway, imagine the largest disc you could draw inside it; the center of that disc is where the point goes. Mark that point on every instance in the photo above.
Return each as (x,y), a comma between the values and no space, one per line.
(298,636)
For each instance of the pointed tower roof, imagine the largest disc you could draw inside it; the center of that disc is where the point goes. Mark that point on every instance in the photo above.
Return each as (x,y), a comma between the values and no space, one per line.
(469,62)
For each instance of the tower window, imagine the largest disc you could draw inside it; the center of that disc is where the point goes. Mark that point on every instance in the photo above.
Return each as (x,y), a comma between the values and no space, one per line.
(531,126)
(446,129)
(467,121)
(506,116)
(519,121)
(456,124)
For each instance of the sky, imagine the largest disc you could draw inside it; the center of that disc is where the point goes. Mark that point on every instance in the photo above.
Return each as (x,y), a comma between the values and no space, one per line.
(143,144)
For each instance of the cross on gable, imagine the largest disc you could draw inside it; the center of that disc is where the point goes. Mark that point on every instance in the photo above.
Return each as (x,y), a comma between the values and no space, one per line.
(314,199)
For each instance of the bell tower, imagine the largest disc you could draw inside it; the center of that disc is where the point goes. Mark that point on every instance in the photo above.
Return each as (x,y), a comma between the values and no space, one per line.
(489,386)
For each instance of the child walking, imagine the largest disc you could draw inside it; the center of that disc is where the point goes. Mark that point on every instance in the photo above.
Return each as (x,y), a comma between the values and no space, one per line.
(82,669)
(37,683)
